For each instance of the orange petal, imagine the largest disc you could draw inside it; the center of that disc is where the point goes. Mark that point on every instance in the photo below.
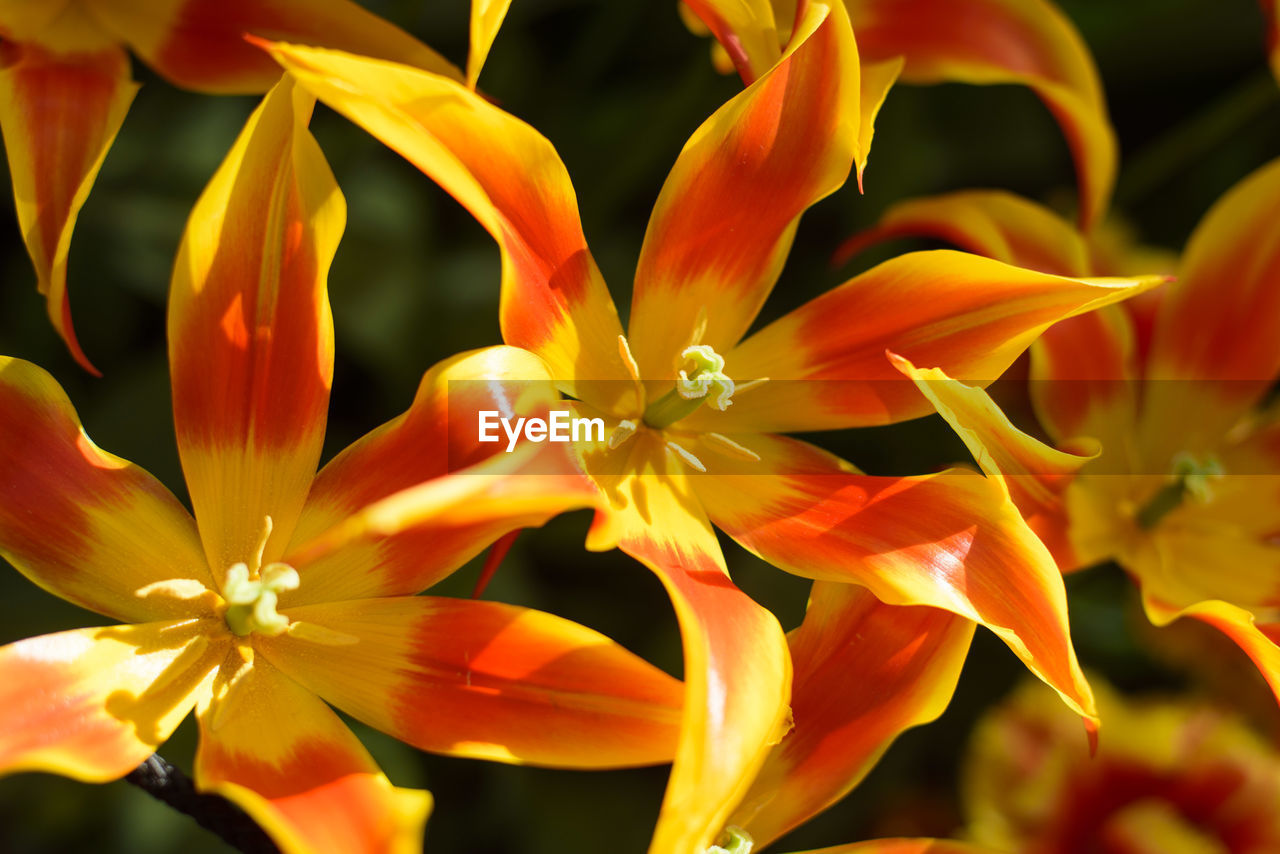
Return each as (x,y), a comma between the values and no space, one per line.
(486,20)
(746,31)
(383,519)
(485,680)
(877,78)
(951,540)
(725,219)
(93,703)
(554,301)
(200,44)
(1218,324)
(250,332)
(279,753)
(993,223)
(969,316)
(1029,42)
(903,846)
(80,522)
(864,673)
(1271,9)
(736,668)
(59,114)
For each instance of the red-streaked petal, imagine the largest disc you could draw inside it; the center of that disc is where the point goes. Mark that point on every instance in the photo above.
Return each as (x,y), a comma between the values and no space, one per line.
(903,846)
(485,680)
(736,668)
(1029,42)
(251,334)
(1214,353)
(951,540)
(486,20)
(993,223)
(554,301)
(877,78)
(968,315)
(200,44)
(746,31)
(93,703)
(724,222)
(377,545)
(407,541)
(864,673)
(80,522)
(283,756)
(59,114)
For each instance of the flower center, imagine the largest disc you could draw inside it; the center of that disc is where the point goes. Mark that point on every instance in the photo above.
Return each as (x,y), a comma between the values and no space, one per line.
(1192,478)
(707,383)
(734,840)
(251,603)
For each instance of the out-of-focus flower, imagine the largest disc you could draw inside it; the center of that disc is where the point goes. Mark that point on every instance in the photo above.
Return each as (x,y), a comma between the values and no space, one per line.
(65,86)
(670,466)
(290,588)
(1186,494)
(1025,42)
(1169,777)
(1271,9)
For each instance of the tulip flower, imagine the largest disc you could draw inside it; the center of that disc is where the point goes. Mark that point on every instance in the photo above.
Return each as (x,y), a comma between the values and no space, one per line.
(1025,42)
(671,466)
(289,589)
(1171,777)
(1184,495)
(1271,9)
(65,87)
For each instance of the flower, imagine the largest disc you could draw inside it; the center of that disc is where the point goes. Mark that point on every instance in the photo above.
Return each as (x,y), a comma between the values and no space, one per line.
(1184,494)
(715,246)
(1025,42)
(290,588)
(1170,776)
(65,88)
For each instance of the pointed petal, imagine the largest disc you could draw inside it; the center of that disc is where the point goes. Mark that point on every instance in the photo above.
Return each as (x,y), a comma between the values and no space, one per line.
(736,667)
(418,497)
(969,316)
(903,846)
(59,114)
(286,759)
(486,20)
(877,78)
(1258,641)
(1028,42)
(723,224)
(746,31)
(200,44)
(80,522)
(864,673)
(485,680)
(554,301)
(993,223)
(1218,325)
(250,332)
(93,703)
(951,540)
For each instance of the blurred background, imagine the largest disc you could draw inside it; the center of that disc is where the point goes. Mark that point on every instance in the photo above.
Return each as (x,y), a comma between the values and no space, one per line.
(618,87)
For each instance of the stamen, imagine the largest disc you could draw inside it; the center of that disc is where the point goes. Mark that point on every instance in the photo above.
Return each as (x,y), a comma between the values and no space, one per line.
(251,604)
(624,350)
(688,457)
(699,329)
(730,448)
(624,431)
(320,634)
(182,589)
(262,546)
(734,840)
(1192,478)
(742,388)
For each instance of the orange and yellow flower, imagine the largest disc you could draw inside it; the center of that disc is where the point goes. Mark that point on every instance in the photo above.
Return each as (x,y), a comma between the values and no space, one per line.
(65,86)
(716,243)
(1170,777)
(289,589)
(1186,493)
(1025,42)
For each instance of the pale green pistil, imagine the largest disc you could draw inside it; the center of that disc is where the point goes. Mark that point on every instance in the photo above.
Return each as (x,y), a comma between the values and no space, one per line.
(251,604)
(707,383)
(734,840)
(1192,478)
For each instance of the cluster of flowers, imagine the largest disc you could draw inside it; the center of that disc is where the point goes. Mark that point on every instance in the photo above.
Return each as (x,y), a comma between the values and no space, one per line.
(285,590)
